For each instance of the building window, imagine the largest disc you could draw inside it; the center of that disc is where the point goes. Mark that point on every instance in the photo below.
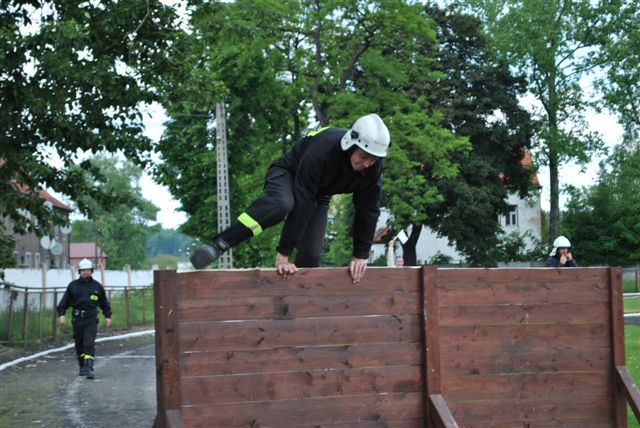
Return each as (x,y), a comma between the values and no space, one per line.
(37,260)
(16,256)
(27,260)
(511,218)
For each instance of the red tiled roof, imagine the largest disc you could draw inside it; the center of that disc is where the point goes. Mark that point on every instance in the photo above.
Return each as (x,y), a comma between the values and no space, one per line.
(46,196)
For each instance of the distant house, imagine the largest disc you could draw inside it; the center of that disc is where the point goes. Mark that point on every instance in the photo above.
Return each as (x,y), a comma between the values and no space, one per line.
(29,251)
(525,215)
(87,250)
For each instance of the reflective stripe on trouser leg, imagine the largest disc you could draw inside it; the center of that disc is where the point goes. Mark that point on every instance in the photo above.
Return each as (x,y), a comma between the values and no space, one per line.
(88,357)
(250,224)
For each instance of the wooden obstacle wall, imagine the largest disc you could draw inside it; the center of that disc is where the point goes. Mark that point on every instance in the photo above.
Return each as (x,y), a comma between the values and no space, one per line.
(409,347)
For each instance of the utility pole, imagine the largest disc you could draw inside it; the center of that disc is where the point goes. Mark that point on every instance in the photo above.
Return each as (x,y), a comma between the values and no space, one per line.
(224,207)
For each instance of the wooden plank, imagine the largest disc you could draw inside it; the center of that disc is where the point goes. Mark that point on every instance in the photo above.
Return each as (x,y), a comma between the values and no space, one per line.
(519,413)
(317,281)
(552,359)
(308,411)
(455,339)
(287,307)
(630,389)
(301,358)
(516,314)
(220,335)
(386,423)
(440,413)
(472,277)
(432,336)
(547,385)
(529,286)
(302,384)
(543,424)
(617,342)
(165,291)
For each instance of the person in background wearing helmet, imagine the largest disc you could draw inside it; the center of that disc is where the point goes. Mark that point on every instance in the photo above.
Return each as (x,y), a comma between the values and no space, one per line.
(299,185)
(561,256)
(85,295)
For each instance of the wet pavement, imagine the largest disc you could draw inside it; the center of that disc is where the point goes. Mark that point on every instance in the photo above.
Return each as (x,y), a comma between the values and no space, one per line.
(48,392)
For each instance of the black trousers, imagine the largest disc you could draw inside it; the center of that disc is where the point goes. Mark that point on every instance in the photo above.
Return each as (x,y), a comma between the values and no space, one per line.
(274,206)
(84,336)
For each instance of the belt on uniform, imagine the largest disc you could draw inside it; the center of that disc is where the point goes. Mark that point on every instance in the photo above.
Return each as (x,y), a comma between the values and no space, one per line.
(85,313)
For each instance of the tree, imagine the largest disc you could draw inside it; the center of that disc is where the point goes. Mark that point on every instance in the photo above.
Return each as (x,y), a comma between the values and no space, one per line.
(343,58)
(603,221)
(478,97)
(120,229)
(75,77)
(553,44)
(620,82)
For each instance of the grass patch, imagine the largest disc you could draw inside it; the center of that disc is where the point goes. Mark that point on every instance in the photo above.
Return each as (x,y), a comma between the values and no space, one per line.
(629,286)
(632,348)
(632,305)
(39,325)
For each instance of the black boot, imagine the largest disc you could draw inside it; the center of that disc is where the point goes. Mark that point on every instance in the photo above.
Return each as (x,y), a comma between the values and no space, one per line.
(204,255)
(88,365)
(83,368)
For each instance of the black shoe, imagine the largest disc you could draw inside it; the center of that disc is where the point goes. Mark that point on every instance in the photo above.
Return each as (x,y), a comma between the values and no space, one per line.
(204,255)
(83,371)
(90,374)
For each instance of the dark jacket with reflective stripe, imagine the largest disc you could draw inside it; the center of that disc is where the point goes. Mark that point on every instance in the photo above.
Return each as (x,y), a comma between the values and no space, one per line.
(554,261)
(320,169)
(84,294)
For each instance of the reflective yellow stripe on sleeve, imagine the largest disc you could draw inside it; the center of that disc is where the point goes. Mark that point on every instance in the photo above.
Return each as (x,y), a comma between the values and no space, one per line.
(316,132)
(250,223)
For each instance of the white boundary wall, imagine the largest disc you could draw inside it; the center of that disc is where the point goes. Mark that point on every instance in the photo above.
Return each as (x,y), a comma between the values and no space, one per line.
(33,278)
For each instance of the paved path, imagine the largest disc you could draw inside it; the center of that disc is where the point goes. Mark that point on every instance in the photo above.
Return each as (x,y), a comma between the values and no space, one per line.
(48,392)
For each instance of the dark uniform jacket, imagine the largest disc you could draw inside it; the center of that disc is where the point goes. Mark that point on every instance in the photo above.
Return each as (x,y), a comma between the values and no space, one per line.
(320,169)
(554,261)
(85,295)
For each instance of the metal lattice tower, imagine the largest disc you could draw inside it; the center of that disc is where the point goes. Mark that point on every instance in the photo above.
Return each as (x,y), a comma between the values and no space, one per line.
(222,167)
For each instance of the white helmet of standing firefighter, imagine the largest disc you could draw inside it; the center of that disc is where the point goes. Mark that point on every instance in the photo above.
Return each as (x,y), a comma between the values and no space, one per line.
(370,134)
(85,264)
(560,242)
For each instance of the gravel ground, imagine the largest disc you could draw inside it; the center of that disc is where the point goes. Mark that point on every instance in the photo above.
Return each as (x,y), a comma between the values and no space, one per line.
(48,392)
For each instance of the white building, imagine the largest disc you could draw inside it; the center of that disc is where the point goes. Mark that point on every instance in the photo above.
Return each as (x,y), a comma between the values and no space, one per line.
(524,216)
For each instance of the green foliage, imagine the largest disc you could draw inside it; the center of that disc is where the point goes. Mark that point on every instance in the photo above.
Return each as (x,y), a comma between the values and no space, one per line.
(517,247)
(478,98)
(552,44)
(121,229)
(7,260)
(620,83)
(168,241)
(165,261)
(632,351)
(603,221)
(75,78)
(339,236)
(337,60)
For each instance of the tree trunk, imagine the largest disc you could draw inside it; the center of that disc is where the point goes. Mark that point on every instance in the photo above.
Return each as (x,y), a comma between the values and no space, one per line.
(552,144)
(409,247)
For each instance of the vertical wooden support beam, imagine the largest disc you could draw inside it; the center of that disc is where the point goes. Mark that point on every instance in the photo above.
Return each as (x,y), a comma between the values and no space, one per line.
(12,294)
(166,293)
(617,344)
(432,337)
(127,309)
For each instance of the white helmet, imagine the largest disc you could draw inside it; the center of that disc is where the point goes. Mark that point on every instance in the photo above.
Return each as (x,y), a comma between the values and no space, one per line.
(370,134)
(560,242)
(85,264)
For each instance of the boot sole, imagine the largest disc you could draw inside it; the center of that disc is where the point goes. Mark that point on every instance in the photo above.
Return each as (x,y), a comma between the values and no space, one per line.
(203,257)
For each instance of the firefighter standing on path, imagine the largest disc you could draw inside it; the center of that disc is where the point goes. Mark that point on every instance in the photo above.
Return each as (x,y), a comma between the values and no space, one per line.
(84,295)
(299,185)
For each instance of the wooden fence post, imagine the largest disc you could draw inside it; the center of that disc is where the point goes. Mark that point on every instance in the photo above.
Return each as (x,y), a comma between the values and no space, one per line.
(165,291)
(9,321)
(617,343)
(25,317)
(126,307)
(54,325)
